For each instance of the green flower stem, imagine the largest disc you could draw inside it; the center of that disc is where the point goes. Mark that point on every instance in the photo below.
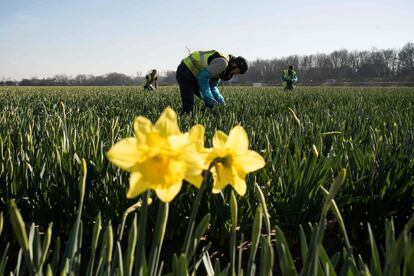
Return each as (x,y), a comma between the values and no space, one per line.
(140,260)
(158,238)
(256,232)
(234,209)
(191,224)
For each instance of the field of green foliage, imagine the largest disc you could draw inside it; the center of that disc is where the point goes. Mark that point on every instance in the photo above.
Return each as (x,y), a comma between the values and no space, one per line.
(361,139)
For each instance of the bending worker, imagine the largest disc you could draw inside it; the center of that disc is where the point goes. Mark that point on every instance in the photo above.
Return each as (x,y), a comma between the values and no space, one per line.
(289,79)
(149,79)
(200,72)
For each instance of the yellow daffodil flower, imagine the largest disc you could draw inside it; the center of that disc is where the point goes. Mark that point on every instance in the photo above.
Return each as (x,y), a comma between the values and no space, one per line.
(159,157)
(231,160)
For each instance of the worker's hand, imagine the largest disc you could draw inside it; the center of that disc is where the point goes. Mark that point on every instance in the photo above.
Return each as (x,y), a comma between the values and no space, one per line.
(221,100)
(210,102)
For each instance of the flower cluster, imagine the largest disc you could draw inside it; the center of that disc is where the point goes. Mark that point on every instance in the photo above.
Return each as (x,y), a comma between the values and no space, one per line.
(160,157)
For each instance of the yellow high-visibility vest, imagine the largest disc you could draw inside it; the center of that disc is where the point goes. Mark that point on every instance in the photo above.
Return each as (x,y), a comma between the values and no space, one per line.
(150,79)
(198,60)
(286,73)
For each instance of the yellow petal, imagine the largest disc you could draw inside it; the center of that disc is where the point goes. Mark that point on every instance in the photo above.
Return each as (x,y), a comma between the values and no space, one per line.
(239,172)
(178,142)
(167,123)
(222,177)
(197,136)
(206,158)
(124,154)
(239,185)
(168,193)
(249,161)
(219,139)
(196,180)
(217,186)
(142,128)
(238,140)
(136,187)
(161,171)
(195,162)
(210,157)
(194,158)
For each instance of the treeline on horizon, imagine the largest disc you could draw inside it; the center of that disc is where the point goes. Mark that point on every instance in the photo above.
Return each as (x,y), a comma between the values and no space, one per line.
(376,66)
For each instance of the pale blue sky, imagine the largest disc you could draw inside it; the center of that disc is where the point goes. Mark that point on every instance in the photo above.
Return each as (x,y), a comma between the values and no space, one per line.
(44,37)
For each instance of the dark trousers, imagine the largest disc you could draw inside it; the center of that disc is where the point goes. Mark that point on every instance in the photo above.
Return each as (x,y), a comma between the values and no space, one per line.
(289,85)
(188,87)
(148,87)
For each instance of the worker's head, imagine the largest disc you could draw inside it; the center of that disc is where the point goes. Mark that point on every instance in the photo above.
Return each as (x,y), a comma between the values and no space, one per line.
(154,72)
(291,67)
(237,65)
(241,64)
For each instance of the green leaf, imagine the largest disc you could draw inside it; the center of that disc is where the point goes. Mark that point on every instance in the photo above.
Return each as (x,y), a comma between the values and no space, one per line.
(46,244)
(1,222)
(97,227)
(19,227)
(304,250)
(266,257)
(180,265)
(327,265)
(120,268)
(132,241)
(375,264)
(199,232)
(287,264)
(217,267)
(256,232)
(4,258)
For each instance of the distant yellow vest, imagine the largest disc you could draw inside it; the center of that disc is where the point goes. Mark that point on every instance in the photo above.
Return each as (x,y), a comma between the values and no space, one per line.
(198,60)
(150,79)
(286,73)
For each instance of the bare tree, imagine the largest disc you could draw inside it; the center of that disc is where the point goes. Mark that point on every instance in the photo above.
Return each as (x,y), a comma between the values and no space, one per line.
(406,58)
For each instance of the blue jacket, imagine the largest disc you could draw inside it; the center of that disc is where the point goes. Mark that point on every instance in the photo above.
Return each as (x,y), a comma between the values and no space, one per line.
(209,91)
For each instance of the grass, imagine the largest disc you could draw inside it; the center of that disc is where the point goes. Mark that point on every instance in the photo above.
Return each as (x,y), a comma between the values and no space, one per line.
(46,131)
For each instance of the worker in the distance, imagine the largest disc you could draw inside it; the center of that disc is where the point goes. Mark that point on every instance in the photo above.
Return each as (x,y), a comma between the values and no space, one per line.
(149,80)
(289,79)
(200,72)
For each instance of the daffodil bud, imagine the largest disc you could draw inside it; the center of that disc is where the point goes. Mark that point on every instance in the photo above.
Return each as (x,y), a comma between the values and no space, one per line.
(315,151)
